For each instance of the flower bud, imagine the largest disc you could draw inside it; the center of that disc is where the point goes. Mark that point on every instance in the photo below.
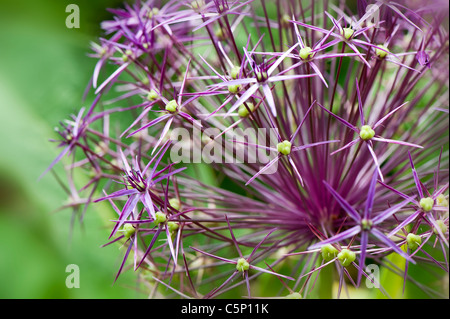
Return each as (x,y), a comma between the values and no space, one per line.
(366,132)
(284,147)
(152,95)
(305,53)
(175,203)
(243,111)
(233,89)
(441,200)
(328,252)
(413,241)
(427,204)
(235,72)
(242,264)
(380,53)
(128,230)
(294,295)
(346,257)
(347,33)
(160,218)
(172,106)
(441,224)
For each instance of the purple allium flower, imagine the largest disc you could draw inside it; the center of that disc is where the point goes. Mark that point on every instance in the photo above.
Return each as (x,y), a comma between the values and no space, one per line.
(271,189)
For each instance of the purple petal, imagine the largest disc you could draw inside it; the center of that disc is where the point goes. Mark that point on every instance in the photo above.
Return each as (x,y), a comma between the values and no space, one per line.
(338,237)
(408,220)
(383,238)
(350,126)
(344,204)
(390,211)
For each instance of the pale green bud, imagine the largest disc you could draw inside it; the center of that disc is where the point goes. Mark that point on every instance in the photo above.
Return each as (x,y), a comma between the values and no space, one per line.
(294,295)
(366,132)
(160,218)
(347,33)
(380,53)
(128,230)
(242,264)
(243,112)
(305,53)
(441,224)
(284,147)
(175,203)
(427,204)
(234,88)
(346,257)
(235,72)
(172,106)
(328,252)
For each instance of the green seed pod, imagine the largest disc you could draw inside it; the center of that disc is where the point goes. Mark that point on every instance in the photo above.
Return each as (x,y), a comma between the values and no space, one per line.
(128,230)
(380,53)
(346,257)
(294,295)
(152,95)
(242,264)
(285,21)
(172,106)
(160,218)
(366,224)
(173,227)
(234,88)
(235,72)
(366,132)
(328,252)
(413,241)
(427,204)
(243,112)
(305,53)
(284,147)
(153,12)
(441,200)
(347,33)
(261,76)
(442,227)
(175,203)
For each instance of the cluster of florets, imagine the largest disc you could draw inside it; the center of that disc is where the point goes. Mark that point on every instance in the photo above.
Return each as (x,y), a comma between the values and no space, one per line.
(305,125)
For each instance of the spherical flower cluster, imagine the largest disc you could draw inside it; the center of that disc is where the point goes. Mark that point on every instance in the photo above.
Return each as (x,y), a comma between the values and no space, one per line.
(247,143)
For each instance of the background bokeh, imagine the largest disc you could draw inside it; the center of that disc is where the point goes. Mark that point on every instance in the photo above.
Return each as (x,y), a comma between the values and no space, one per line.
(44,71)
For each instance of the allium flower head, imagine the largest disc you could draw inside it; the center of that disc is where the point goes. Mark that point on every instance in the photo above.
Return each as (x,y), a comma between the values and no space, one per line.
(289,145)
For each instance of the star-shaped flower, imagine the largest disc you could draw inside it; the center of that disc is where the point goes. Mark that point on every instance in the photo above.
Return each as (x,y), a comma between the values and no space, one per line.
(366,133)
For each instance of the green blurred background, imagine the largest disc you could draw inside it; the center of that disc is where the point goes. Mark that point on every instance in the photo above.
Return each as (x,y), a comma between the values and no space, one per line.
(44,71)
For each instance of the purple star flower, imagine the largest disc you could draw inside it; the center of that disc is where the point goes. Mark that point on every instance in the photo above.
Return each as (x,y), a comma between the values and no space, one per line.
(365,224)
(366,134)
(138,187)
(425,206)
(243,264)
(262,76)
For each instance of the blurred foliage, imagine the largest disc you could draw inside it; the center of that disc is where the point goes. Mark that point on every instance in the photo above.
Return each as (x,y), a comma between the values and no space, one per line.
(44,71)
